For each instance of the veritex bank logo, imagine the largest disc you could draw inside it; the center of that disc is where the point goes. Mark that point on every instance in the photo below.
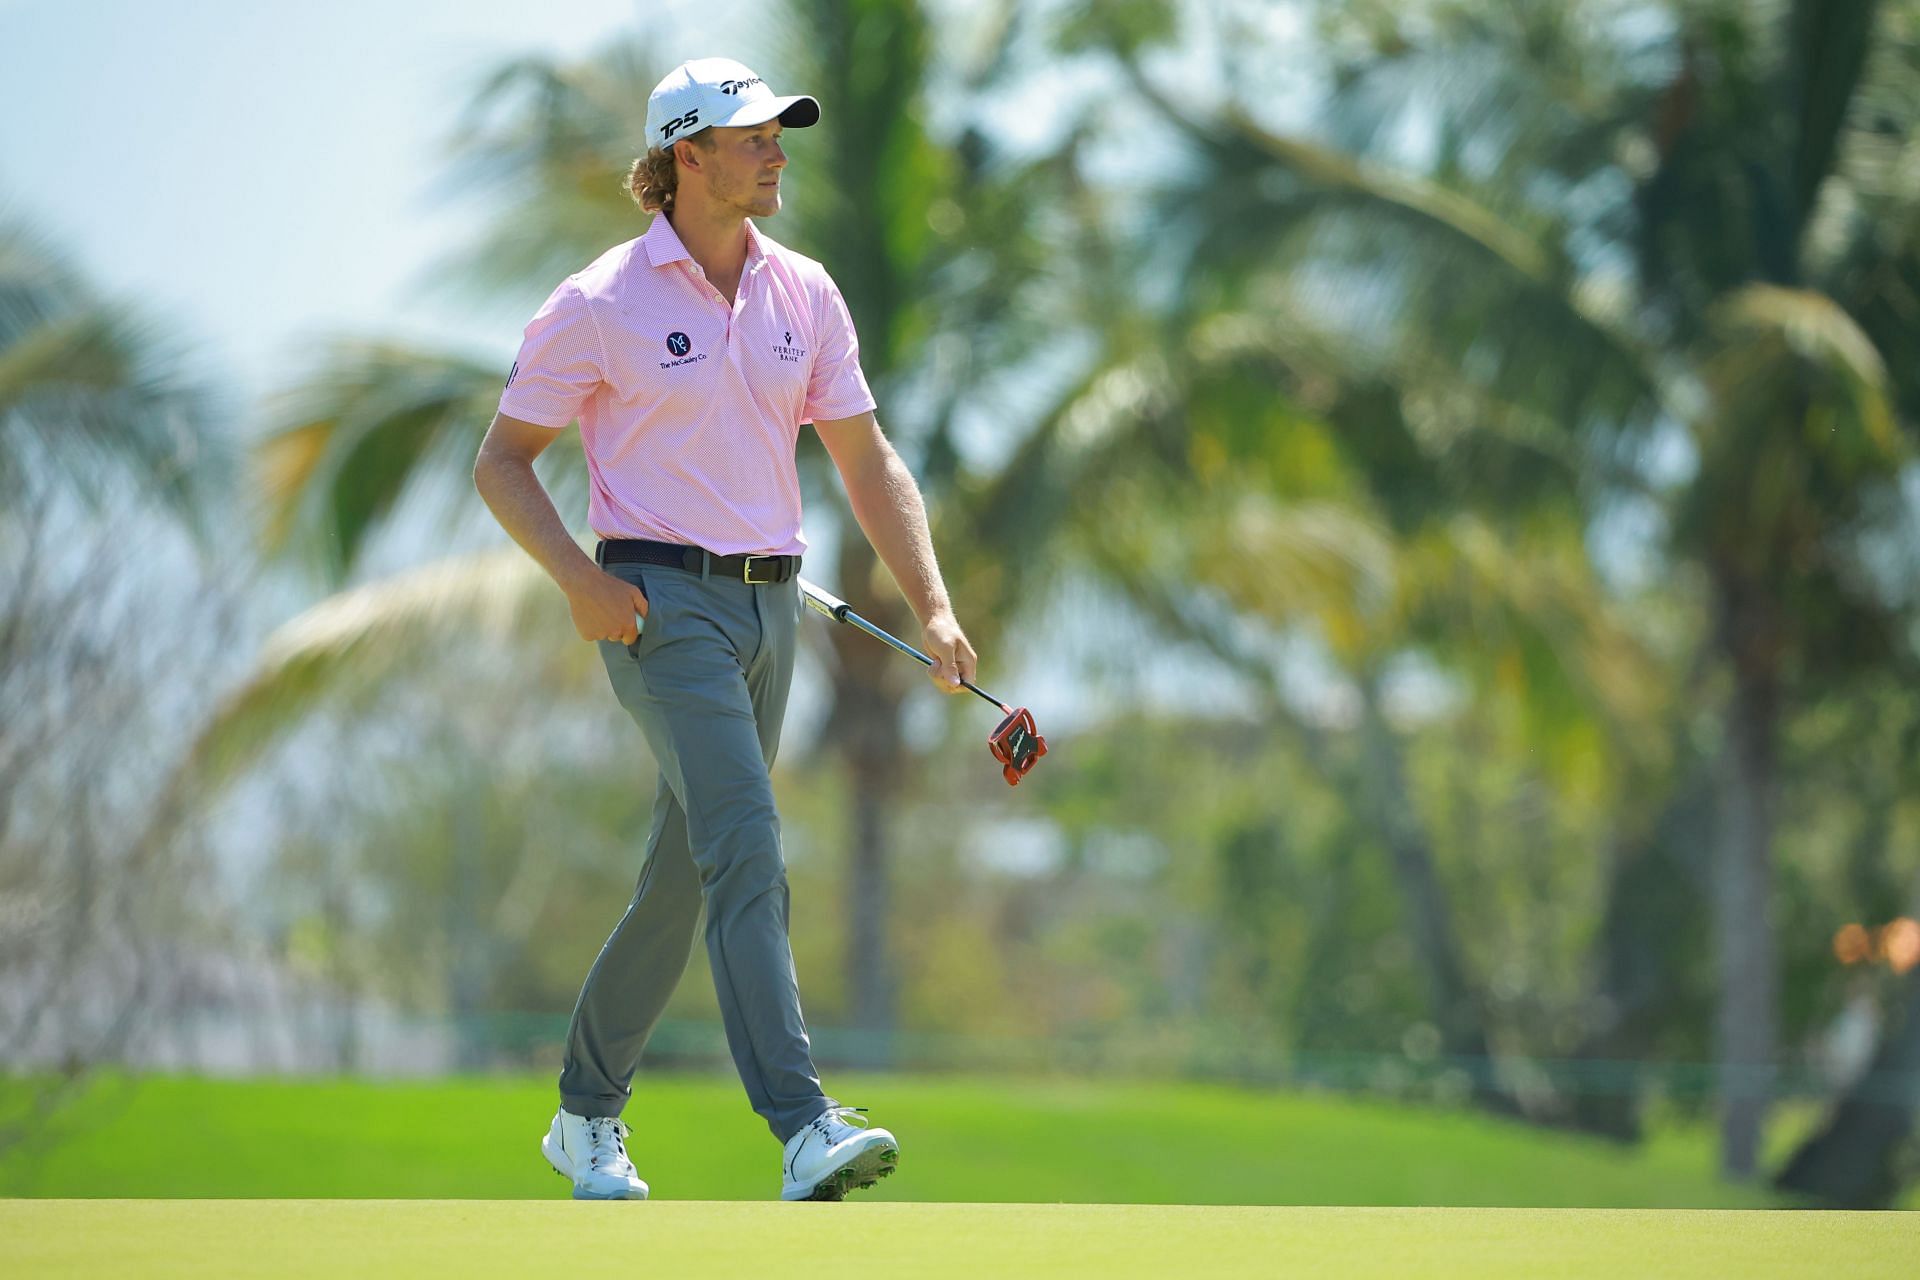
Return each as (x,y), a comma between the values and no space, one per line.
(789,353)
(681,345)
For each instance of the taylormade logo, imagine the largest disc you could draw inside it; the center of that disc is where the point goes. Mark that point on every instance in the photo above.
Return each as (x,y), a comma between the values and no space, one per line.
(735,86)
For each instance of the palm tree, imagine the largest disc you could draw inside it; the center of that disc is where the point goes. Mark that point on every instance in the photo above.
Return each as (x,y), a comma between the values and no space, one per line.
(90,393)
(1162,460)
(1222,471)
(1640,238)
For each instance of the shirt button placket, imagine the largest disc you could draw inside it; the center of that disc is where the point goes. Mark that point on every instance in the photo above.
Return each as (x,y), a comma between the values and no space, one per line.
(713,290)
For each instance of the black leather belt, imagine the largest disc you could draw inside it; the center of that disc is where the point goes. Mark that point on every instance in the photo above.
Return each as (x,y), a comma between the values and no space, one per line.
(749,569)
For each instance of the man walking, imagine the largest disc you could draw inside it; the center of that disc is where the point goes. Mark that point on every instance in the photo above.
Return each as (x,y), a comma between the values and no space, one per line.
(691,356)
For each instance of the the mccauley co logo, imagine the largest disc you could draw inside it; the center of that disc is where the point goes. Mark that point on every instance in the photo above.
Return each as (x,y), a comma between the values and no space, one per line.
(680,344)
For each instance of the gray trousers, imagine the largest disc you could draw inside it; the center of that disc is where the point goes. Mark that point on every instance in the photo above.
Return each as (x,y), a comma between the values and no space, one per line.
(707,683)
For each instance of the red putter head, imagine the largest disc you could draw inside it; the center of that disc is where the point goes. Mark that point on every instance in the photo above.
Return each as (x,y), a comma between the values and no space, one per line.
(1017,745)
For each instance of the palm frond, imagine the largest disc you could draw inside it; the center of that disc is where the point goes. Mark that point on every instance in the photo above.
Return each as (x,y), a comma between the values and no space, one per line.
(373,421)
(1527,612)
(1824,350)
(1393,259)
(341,653)
(1826,58)
(93,393)
(1798,432)
(557,138)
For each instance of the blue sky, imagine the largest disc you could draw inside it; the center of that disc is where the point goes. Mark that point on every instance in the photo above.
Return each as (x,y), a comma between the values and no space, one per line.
(261,176)
(260,173)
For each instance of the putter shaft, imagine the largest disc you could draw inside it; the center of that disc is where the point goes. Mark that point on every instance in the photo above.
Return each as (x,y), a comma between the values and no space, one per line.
(833,607)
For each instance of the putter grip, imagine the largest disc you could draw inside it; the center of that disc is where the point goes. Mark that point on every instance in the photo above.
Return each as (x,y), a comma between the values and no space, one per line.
(823,602)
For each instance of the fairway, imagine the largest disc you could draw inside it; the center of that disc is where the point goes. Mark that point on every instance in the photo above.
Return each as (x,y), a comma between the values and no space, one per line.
(704,1238)
(1049,1141)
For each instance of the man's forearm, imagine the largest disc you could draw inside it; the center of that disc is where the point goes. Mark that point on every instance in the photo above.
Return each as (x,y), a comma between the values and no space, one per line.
(887,503)
(520,503)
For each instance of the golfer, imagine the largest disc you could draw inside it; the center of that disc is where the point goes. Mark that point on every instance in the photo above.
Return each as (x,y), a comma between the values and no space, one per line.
(691,357)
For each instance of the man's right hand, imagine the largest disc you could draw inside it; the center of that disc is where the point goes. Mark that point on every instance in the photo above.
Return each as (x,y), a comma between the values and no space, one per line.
(604,608)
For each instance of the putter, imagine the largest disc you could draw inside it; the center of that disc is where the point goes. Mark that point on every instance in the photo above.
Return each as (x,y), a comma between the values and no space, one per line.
(1016,743)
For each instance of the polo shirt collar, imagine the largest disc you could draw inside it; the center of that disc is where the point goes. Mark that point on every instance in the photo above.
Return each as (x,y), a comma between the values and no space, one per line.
(756,252)
(663,244)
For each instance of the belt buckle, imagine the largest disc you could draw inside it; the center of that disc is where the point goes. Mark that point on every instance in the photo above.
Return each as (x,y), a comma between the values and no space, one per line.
(746,570)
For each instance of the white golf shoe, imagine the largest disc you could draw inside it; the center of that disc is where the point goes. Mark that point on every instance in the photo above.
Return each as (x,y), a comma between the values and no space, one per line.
(593,1153)
(831,1157)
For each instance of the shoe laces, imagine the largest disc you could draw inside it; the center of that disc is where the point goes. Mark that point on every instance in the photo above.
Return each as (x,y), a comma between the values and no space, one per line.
(841,1116)
(606,1141)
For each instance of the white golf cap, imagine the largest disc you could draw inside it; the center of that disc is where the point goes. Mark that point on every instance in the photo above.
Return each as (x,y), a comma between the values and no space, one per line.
(718,91)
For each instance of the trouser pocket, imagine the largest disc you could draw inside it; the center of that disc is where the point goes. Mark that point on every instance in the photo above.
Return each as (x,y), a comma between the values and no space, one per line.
(635,575)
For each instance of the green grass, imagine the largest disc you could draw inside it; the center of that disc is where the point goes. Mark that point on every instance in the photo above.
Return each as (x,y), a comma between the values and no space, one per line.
(962,1139)
(933,1241)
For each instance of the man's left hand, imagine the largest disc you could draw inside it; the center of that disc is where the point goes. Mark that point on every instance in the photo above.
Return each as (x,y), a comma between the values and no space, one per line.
(953,658)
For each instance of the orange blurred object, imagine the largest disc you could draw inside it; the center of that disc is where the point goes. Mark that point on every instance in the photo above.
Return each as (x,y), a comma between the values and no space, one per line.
(1851,944)
(1900,944)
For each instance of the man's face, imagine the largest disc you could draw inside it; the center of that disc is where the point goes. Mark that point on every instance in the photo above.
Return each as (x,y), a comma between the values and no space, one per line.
(743,168)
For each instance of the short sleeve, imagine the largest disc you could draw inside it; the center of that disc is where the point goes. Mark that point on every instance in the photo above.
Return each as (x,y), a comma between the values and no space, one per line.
(559,366)
(837,388)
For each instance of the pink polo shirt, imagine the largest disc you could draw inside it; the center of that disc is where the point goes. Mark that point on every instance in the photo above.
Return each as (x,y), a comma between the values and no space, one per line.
(690,409)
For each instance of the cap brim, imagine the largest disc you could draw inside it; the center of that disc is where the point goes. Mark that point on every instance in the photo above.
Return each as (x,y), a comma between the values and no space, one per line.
(796,112)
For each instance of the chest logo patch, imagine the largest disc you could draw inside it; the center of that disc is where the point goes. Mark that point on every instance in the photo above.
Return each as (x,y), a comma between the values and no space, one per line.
(787,351)
(679,344)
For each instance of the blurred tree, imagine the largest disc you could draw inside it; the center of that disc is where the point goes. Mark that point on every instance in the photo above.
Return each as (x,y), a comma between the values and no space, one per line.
(1221,444)
(92,395)
(1505,606)
(1632,233)
(103,889)
(462,868)
(107,449)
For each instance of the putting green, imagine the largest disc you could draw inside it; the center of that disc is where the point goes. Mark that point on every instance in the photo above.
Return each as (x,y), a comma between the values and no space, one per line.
(794,1241)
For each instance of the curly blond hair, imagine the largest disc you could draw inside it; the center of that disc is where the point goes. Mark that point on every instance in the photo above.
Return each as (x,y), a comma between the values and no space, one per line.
(654,178)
